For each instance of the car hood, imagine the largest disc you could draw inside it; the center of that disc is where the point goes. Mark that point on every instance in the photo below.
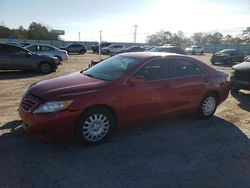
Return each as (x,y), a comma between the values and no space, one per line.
(71,84)
(244,67)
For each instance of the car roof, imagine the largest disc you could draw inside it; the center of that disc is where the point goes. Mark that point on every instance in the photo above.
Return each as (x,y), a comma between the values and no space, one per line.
(151,54)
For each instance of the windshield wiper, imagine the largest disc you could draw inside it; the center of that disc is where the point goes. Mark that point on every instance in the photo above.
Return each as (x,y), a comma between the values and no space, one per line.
(96,77)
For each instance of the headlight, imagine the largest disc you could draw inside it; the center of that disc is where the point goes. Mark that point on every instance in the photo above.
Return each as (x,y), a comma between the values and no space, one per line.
(52,106)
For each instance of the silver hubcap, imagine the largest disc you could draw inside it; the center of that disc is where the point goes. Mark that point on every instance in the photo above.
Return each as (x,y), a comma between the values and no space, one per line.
(208,106)
(95,127)
(45,68)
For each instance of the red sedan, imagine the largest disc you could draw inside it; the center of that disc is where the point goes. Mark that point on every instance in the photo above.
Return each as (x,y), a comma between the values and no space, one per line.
(123,89)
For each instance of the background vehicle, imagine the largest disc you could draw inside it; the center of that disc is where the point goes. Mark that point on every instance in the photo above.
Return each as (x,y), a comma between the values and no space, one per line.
(95,48)
(228,56)
(169,49)
(133,49)
(75,48)
(17,58)
(121,90)
(241,76)
(195,49)
(48,50)
(113,49)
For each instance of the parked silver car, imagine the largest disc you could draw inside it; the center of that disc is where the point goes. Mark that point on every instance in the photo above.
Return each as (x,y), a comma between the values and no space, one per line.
(48,50)
(17,58)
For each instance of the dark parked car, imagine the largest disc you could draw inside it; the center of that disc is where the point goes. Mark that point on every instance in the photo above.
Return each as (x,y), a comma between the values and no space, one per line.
(169,49)
(241,76)
(133,49)
(95,48)
(17,58)
(119,91)
(75,48)
(227,56)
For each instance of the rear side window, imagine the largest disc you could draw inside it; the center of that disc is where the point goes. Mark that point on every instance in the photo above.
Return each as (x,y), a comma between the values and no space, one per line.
(33,48)
(155,70)
(184,68)
(45,48)
(11,50)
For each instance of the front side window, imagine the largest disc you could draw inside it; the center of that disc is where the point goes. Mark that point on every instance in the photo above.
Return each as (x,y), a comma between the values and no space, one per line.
(32,48)
(112,68)
(155,70)
(184,68)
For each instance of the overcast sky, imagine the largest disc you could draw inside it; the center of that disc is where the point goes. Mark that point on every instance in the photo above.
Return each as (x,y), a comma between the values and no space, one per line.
(116,18)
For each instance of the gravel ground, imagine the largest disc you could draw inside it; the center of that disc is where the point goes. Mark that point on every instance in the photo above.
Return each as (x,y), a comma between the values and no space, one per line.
(176,152)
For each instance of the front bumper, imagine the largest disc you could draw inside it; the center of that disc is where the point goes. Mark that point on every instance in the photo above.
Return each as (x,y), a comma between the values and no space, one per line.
(50,126)
(239,84)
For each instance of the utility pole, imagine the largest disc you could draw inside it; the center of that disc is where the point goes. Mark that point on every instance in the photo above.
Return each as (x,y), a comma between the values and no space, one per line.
(79,36)
(100,41)
(135,32)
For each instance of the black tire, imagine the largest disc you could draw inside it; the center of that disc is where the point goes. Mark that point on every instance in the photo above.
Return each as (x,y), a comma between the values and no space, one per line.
(213,62)
(193,52)
(108,52)
(234,89)
(95,126)
(83,51)
(59,58)
(45,68)
(208,106)
(202,52)
(229,61)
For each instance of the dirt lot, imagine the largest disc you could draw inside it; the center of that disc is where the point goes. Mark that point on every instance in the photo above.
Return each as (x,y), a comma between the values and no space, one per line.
(177,152)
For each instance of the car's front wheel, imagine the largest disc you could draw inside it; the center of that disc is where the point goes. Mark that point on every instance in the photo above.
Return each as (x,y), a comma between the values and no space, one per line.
(45,68)
(208,106)
(95,126)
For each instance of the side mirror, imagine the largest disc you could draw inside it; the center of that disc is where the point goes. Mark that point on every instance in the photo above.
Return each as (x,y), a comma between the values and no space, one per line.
(136,80)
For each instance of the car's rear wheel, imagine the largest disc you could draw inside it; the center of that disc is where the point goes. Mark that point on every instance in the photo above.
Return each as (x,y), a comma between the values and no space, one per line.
(108,52)
(45,68)
(95,126)
(213,62)
(82,51)
(235,89)
(59,58)
(202,52)
(208,106)
(193,52)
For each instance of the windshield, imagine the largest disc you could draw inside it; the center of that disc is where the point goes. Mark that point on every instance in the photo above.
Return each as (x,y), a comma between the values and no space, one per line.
(112,68)
(226,51)
(158,50)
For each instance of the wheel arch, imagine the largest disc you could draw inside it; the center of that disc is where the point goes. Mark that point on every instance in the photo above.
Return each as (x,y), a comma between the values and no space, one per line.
(215,93)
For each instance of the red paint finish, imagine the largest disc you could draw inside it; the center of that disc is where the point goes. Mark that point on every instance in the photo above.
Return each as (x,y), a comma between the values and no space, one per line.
(129,101)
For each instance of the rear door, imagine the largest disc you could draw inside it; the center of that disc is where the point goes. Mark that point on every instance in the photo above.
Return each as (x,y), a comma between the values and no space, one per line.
(150,98)
(189,84)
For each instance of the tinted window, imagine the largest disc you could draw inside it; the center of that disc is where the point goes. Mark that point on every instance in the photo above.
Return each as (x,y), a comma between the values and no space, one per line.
(12,50)
(32,48)
(154,70)
(45,48)
(184,68)
(75,45)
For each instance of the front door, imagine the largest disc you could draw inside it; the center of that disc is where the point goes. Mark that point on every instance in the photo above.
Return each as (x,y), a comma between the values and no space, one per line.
(148,98)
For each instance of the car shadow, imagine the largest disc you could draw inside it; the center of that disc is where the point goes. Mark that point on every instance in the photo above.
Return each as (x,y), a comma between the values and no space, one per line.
(12,75)
(243,99)
(178,152)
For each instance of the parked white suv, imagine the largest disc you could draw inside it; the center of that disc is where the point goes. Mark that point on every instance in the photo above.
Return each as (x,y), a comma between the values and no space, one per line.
(194,50)
(113,49)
